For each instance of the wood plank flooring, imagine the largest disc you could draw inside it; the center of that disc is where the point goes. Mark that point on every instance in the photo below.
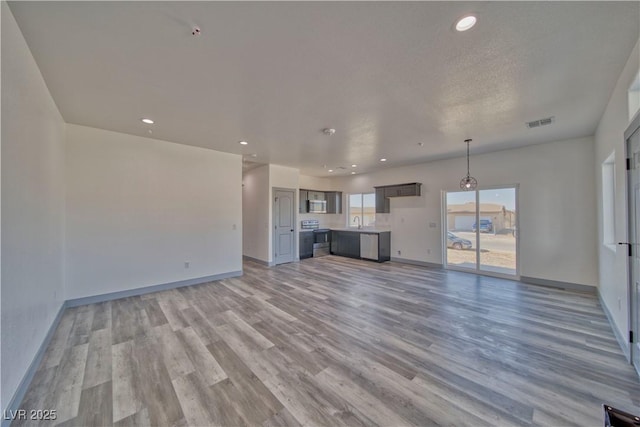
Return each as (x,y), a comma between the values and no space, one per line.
(337,342)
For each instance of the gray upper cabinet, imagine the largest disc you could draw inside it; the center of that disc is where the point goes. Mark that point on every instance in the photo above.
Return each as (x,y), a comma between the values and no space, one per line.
(302,201)
(333,198)
(383,204)
(402,190)
(383,193)
(334,202)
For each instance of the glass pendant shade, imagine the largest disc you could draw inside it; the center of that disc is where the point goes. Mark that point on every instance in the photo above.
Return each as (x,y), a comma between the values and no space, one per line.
(468,182)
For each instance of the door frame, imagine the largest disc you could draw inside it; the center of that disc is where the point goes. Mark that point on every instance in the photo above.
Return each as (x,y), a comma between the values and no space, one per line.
(477,269)
(294,208)
(634,312)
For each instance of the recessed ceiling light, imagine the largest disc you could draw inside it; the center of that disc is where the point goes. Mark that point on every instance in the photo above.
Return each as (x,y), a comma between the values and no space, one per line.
(383,160)
(353,173)
(329,131)
(243,142)
(420,144)
(354,166)
(330,170)
(147,121)
(466,23)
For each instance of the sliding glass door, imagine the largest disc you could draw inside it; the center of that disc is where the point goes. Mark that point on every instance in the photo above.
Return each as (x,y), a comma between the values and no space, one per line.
(481,231)
(460,239)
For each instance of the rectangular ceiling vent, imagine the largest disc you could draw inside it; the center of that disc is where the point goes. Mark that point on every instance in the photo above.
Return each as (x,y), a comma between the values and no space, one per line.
(541,122)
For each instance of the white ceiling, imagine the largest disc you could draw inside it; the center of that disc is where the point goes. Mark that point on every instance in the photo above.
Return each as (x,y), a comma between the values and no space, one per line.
(385,75)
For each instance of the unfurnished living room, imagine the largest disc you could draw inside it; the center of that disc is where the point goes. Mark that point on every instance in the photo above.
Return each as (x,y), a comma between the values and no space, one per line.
(320,213)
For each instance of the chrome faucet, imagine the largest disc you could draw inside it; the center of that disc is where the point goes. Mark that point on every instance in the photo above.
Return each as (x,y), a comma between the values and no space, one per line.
(358,218)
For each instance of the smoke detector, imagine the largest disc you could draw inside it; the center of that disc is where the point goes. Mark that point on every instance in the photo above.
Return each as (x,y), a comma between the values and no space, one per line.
(328,131)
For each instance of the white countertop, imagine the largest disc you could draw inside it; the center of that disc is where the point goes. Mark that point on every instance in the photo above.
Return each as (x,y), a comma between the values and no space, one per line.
(362,230)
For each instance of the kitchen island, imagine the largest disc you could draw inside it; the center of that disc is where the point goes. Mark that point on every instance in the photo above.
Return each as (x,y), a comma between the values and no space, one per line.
(361,243)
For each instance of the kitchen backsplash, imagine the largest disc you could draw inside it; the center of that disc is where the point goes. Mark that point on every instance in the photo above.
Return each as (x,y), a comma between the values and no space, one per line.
(383,221)
(325,220)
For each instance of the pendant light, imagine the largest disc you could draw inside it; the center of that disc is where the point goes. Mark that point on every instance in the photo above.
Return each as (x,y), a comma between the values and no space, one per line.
(468,182)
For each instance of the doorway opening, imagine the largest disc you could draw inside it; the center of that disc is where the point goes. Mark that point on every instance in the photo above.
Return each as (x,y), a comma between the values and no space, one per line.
(481,232)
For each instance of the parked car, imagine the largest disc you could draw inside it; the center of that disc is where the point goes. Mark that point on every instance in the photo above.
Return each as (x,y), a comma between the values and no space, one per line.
(486,226)
(456,242)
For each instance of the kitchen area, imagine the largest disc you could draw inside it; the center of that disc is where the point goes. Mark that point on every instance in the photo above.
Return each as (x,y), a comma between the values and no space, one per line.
(324,230)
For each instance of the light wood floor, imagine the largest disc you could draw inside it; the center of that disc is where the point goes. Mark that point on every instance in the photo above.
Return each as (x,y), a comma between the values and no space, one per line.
(332,341)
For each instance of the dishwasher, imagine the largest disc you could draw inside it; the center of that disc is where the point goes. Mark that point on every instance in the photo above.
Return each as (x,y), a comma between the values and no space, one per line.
(369,246)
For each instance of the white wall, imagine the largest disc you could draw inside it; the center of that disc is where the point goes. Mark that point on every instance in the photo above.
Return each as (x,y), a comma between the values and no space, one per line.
(138,208)
(557,206)
(255,213)
(609,138)
(257,196)
(32,208)
(315,183)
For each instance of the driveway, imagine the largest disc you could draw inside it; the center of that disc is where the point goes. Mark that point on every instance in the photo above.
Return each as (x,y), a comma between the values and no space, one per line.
(490,242)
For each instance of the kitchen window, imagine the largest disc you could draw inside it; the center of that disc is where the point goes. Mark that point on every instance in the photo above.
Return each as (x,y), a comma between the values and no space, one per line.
(361,210)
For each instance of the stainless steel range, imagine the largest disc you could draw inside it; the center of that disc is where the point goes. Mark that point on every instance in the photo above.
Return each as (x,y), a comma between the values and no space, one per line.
(321,237)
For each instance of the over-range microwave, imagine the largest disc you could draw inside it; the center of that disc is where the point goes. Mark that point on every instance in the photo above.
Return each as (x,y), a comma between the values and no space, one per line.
(317,206)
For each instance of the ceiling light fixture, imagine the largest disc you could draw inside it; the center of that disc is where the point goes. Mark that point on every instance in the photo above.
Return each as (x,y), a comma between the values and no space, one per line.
(466,23)
(354,166)
(328,131)
(147,121)
(468,182)
(243,142)
(330,170)
(383,160)
(353,173)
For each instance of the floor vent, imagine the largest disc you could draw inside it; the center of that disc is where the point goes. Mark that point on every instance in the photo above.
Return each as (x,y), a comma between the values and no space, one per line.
(541,122)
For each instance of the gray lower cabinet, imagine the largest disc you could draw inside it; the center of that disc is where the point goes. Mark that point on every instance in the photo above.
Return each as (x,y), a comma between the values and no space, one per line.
(362,245)
(306,244)
(345,243)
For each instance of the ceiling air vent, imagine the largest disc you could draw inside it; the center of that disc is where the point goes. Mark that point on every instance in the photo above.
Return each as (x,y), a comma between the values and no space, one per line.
(541,122)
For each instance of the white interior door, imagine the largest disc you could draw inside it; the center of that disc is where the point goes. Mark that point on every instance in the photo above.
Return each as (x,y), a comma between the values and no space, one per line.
(283,220)
(633,150)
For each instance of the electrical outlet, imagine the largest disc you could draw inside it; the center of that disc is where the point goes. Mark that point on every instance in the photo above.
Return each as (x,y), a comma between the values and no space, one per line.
(432,225)
(187,264)
(233,227)
(399,252)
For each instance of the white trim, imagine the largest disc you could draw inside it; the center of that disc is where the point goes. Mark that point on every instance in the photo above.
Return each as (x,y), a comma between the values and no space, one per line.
(622,341)
(418,263)
(21,391)
(149,289)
